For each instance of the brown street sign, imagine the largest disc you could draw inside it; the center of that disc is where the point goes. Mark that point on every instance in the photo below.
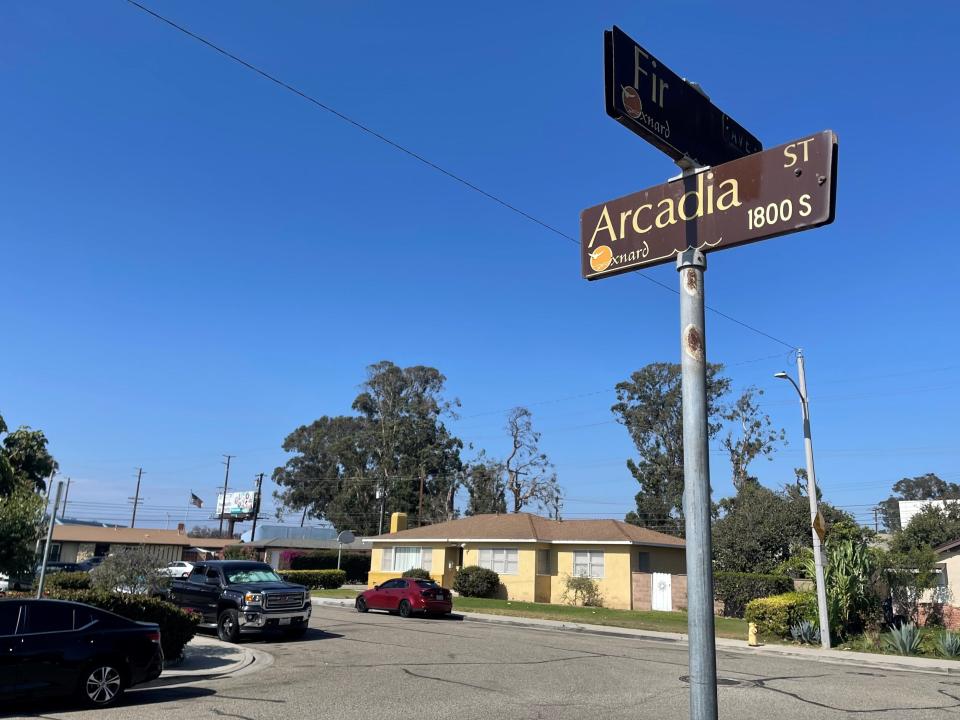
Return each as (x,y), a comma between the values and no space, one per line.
(648,98)
(782,190)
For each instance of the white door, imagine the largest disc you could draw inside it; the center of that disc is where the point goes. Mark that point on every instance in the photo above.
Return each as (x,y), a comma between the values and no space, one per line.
(660,592)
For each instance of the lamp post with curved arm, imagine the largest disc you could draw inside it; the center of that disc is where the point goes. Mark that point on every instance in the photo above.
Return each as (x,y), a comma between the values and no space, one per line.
(812,493)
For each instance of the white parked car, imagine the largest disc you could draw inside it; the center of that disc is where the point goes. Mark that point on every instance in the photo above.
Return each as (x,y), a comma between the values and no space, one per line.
(177,569)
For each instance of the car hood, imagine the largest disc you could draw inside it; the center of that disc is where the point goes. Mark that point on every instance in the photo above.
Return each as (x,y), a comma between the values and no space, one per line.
(267,587)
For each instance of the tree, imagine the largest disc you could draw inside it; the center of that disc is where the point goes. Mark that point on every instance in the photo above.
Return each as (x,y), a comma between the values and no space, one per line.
(761,528)
(649,406)
(752,435)
(394,451)
(921,487)
(129,570)
(25,465)
(530,476)
(931,527)
(203,531)
(484,483)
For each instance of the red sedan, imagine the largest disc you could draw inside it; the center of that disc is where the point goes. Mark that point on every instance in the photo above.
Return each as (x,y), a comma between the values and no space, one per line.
(406,596)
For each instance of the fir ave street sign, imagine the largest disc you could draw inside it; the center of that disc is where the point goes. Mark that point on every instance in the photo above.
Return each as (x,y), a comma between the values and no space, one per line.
(647,97)
(782,190)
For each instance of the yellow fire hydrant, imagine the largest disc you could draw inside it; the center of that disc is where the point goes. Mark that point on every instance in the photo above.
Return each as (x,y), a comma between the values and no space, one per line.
(752,635)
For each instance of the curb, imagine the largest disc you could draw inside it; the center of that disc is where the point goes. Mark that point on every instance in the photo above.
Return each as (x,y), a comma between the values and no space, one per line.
(838,657)
(250,661)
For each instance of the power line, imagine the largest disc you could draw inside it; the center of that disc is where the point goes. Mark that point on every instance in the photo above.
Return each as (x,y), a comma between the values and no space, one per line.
(417,156)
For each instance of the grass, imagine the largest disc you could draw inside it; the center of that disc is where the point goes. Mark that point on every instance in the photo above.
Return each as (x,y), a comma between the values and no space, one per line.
(675,622)
(338,593)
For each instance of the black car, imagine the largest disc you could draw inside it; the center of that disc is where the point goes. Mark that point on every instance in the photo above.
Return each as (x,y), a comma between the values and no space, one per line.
(56,567)
(53,647)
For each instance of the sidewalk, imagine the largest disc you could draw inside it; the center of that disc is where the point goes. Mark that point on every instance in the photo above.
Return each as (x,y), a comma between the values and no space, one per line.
(847,657)
(206,657)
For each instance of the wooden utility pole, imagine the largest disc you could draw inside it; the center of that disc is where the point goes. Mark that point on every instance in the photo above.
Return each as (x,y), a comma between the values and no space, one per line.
(256,508)
(136,499)
(223,504)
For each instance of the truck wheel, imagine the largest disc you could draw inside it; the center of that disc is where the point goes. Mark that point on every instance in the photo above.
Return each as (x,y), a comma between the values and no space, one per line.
(405,610)
(228,626)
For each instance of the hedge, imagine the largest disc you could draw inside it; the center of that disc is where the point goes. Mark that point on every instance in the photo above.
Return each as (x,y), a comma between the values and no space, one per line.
(775,615)
(418,573)
(737,589)
(177,627)
(67,581)
(314,579)
(355,564)
(475,581)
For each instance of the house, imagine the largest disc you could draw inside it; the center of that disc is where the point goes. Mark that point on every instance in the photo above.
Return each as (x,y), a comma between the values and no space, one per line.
(946,596)
(635,568)
(76,543)
(272,550)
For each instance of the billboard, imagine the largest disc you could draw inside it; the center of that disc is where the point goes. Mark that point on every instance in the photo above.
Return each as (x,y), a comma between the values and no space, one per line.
(237,505)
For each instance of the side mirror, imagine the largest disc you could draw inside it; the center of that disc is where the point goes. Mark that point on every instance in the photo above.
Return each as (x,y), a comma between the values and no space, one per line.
(376,587)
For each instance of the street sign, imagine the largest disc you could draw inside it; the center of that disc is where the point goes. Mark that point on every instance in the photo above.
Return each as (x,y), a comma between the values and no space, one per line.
(820,525)
(782,190)
(647,97)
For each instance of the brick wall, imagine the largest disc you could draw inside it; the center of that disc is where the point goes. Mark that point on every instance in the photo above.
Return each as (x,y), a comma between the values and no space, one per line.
(641,589)
(678,592)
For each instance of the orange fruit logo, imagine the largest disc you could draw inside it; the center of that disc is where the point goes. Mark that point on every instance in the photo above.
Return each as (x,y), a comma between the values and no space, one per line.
(601,258)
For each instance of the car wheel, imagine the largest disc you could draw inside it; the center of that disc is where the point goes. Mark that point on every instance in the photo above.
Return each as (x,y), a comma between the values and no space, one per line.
(405,609)
(101,685)
(228,626)
(361,605)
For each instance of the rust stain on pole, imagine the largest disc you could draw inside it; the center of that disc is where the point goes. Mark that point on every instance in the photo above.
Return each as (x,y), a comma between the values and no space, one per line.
(693,343)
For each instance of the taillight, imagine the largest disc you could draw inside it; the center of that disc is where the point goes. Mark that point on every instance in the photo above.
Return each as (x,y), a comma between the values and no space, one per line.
(425,593)
(154,636)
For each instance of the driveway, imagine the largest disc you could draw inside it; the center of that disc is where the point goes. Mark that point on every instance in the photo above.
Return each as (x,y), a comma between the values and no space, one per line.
(352,666)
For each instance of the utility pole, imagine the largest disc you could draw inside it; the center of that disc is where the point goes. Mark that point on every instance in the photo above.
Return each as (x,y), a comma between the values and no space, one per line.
(382,497)
(876,519)
(303,518)
(226,479)
(136,499)
(420,504)
(256,508)
(691,264)
(63,511)
(46,509)
(812,494)
(46,548)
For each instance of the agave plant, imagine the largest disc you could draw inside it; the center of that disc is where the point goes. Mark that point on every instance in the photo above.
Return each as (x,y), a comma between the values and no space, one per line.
(904,640)
(806,633)
(948,644)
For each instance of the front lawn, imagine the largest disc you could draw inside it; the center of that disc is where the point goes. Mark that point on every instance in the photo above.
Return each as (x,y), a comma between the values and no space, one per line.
(675,622)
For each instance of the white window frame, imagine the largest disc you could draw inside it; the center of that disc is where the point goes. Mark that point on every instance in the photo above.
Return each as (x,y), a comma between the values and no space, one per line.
(424,560)
(588,563)
(503,561)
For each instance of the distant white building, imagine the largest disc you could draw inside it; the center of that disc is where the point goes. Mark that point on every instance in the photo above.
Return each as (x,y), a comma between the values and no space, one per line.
(909,508)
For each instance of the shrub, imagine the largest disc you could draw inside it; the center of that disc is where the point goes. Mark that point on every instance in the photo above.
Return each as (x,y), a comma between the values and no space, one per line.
(416,573)
(129,570)
(315,579)
(805,633)
(737,589)
(582,591)
(67,581)
(239,552)
(475,581)
(904,640)
(177,627)
(355,564)
(948,644)
(775,615)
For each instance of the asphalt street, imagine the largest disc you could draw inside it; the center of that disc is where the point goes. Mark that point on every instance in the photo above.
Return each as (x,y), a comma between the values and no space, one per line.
(352,666)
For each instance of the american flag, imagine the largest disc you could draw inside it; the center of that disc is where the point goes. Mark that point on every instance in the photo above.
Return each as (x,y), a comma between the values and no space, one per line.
(194,500)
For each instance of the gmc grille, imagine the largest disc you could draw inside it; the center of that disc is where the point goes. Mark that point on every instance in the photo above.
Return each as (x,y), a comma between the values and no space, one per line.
(283,601)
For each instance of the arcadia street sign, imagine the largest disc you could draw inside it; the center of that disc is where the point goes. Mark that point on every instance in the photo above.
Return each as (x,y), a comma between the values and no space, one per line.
(782,190)
(650,99)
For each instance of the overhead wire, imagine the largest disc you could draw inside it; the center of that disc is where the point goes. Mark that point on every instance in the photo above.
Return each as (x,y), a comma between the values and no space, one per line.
(418,157)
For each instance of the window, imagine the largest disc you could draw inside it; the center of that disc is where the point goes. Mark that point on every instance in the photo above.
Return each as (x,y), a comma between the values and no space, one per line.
(588,563)
(393,585)
(213,577)
(401,559)
(54,555)
(643,562)
(9,612)
(546,564)
(43,617)
(198,575)
(503,561)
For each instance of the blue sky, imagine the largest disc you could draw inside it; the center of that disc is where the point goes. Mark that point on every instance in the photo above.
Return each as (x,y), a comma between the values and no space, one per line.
(195,261)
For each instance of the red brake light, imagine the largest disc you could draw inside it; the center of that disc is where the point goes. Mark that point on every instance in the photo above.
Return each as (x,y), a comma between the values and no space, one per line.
(154,636)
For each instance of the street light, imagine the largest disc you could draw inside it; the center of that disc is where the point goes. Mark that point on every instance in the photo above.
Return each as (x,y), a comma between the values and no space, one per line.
(812,493)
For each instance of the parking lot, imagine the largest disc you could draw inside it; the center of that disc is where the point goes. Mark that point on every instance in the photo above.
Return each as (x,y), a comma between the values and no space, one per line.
(376,665)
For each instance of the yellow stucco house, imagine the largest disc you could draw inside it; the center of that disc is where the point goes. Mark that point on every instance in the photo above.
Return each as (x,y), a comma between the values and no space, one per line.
(635,568)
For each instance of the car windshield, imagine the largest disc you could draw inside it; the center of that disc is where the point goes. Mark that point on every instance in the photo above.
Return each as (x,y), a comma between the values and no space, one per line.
(251,574)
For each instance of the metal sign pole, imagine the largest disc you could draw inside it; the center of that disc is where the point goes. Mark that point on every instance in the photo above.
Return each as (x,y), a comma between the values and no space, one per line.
(46,548)
(691,265)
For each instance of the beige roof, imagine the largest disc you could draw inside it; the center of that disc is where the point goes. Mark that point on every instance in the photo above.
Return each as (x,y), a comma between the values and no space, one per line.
(125,536)
(525,527)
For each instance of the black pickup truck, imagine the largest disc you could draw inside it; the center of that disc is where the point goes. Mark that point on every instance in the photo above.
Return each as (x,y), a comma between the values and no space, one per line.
(236,596)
